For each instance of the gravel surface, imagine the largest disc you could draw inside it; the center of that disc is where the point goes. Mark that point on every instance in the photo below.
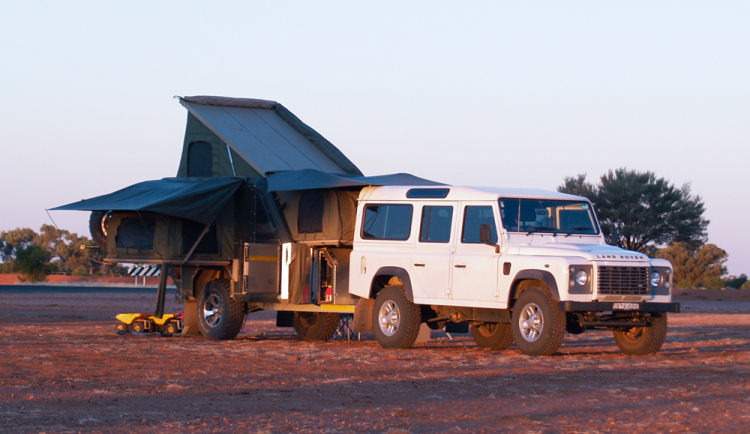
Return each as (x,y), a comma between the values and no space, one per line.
(65,371)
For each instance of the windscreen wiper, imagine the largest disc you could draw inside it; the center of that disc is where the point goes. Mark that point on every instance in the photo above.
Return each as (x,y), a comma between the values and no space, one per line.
(580,228)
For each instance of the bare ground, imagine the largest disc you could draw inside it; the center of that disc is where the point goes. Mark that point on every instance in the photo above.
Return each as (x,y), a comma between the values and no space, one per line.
(64,370)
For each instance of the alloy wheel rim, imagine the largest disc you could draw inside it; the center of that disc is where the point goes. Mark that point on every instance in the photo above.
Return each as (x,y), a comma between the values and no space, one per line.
(531,322)
(212,310)
(389,318)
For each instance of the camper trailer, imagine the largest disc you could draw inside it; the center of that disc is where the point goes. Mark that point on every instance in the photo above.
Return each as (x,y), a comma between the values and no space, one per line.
(266,214)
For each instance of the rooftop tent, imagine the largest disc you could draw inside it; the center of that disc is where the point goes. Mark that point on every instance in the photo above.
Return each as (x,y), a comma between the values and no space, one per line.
(251,137)
(314,179)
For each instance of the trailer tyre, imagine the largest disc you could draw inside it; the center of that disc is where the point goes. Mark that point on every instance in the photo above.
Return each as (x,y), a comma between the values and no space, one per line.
(492,335)
(395,320)
(641,341)
(312,326)
(538,324)
(220,317)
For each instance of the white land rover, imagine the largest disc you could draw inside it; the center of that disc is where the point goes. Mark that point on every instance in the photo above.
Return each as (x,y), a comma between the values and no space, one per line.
(521,266)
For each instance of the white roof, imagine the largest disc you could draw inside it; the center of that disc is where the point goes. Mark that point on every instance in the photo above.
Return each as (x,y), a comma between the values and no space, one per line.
(396,193)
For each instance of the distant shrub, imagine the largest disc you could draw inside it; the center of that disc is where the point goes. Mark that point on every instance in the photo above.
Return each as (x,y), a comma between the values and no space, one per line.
(734,281)
(33,263)
(684,284)
(714,282)
(745,285)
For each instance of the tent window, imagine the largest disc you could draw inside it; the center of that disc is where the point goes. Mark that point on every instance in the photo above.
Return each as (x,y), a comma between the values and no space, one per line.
(135,233)
(310,217)
(200,159)
(191,231)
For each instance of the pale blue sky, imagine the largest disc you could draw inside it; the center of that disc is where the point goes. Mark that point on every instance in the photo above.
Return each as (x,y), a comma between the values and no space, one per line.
(480,93)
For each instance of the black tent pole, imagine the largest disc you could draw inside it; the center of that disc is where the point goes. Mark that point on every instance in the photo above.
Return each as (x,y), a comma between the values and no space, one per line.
(161,294)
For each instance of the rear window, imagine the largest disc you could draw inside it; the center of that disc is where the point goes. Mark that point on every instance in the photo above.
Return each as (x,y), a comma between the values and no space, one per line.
(387,222)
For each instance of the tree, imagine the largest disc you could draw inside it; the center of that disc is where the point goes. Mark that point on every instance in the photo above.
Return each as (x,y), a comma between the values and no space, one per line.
(638,211)
(695,265)
(735,281)
(64,248)
(33,263)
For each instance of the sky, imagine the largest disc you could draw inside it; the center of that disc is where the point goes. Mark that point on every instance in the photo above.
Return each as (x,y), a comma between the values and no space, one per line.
(505,94)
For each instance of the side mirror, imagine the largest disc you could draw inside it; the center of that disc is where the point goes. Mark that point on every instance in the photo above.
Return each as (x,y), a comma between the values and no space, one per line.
(485,233)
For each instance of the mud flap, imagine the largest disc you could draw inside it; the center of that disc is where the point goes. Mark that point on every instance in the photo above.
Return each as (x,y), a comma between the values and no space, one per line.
(363,316)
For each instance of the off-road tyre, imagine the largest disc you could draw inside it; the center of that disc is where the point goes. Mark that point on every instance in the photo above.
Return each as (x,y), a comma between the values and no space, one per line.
(538,324)
(313,326)
(97,223)
(395,320)
(220,317)
(492,335)
(642,341)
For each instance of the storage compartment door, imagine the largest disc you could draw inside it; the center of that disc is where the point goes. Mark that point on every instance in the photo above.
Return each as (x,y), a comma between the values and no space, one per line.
(262,268)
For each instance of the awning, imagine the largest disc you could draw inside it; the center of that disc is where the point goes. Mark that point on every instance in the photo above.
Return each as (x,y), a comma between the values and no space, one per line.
(311,179)
(198,199)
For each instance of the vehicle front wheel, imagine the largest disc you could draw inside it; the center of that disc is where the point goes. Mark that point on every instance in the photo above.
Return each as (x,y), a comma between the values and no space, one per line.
(311,326)
(395,319)
(538,324)
(492,335)
(641,341)
(220,316)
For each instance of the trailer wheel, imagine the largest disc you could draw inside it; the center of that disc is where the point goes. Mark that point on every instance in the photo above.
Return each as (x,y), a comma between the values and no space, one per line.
(641,341)
(312,326)
(395,319)
(492,335)
(220,317)
(538,324)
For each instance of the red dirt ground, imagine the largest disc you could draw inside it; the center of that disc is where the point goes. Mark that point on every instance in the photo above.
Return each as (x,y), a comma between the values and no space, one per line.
(64,370)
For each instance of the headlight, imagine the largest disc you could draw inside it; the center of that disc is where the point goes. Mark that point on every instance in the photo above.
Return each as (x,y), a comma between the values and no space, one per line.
(582,277)
(655,279)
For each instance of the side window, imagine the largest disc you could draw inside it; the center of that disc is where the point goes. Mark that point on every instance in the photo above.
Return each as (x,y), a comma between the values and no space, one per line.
(474,218)
(200,159)
(387,222)
(436,224)
(135,233)
(310,216)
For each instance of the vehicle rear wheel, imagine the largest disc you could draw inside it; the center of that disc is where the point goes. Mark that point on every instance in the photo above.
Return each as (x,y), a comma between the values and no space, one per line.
(395,319)
(220,317)
(641,341)
(492,335)
(313,326)
(538,324)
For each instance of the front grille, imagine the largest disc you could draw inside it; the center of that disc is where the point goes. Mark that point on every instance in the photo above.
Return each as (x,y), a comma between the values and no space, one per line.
(623,280)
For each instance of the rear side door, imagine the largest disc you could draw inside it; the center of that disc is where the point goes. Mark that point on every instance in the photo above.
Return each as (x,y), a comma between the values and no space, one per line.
(433,249)
(475,264)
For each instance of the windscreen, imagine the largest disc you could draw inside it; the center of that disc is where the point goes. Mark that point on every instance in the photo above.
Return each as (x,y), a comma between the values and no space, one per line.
(551,216)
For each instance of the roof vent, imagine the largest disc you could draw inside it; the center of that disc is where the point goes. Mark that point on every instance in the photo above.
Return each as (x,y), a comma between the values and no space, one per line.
(428,193)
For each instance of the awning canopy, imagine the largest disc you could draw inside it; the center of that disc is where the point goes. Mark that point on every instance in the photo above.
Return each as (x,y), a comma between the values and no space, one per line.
(198,199)
(312,179)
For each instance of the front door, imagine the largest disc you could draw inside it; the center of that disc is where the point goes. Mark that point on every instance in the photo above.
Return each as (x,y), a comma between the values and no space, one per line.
(475,264)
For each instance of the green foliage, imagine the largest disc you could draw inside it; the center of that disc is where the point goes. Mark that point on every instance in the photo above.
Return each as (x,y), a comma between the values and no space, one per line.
(695,264)
(63,246)
(745,285)
(637,209)
(734,281)
(712,283)
(684,284)
(33,263)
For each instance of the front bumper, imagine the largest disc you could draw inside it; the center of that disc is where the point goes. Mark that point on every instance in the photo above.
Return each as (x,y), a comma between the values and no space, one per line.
(602,306)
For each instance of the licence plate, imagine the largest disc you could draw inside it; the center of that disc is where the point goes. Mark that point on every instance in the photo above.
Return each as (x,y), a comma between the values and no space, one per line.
(626,306)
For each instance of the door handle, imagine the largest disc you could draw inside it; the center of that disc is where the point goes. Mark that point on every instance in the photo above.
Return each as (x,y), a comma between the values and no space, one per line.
(460,266)
(419,265)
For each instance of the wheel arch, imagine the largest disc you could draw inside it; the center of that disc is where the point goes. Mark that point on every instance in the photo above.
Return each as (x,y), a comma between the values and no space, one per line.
(526,279)
(386,276)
